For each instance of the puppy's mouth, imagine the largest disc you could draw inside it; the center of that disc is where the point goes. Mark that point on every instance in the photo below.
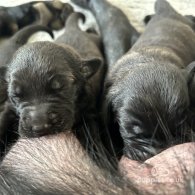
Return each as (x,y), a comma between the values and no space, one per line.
(29,132)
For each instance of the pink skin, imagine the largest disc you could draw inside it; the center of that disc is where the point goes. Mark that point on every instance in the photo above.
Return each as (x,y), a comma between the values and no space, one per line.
(171,168)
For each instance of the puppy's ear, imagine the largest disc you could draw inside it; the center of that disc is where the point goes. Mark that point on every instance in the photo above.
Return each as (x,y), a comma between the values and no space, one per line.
(190,75)
(90,67)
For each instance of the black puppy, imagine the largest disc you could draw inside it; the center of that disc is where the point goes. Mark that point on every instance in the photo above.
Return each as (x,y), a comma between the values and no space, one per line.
(45,84)
(7,50)
(108,17)
(48,83)
(147,87)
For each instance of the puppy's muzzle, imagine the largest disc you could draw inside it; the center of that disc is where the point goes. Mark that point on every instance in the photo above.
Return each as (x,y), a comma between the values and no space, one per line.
(40,121)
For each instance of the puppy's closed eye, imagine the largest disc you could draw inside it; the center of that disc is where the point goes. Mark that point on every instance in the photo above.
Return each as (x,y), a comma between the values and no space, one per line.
(59,82)
(18,92)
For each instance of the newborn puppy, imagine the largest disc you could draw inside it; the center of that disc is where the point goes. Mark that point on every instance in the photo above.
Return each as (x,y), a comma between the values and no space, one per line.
(7,50)
(46,85)
(147,87)
(124,35)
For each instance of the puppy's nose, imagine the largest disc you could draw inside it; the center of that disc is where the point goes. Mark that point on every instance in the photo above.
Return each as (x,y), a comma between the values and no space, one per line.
(40,120)
(52,116)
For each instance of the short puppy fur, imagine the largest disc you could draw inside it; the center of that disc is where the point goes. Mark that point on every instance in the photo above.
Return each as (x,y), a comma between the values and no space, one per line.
(148,87)
(8,118)
(48,82)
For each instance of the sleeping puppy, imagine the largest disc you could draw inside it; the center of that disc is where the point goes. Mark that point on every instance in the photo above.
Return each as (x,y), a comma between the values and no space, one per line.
(48,82)
(124,35)
(45,86)
(8,116)
(148,87)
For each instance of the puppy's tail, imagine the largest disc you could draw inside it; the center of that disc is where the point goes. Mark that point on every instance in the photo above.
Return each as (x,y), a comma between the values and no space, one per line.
(162,7)
(72,21)
(22,36)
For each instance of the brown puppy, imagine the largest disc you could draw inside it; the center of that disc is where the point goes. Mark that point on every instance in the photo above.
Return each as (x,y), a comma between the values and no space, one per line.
(147,88)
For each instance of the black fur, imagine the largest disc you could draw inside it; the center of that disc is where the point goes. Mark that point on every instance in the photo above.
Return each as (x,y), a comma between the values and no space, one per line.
(147,88)
(8,118)
(55,86)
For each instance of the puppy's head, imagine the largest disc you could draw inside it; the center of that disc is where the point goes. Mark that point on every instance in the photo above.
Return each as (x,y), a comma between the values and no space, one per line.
(151,105)
(44,85)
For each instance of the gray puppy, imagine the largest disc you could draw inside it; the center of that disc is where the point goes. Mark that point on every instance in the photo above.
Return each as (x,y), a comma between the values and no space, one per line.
(108,17)
(147,87)
(48,82)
